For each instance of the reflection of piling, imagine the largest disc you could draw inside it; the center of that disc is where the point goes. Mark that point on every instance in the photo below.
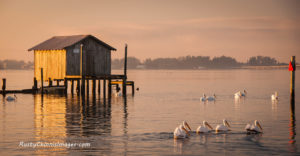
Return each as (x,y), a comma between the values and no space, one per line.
(292,88)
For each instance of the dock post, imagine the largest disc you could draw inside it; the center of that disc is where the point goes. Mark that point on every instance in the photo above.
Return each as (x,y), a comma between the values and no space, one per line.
(42,80)
(57,83)
(125,72)
(99,86)
(94,87)
(78,87)
(72,86)
(3,86)
(109,88)
(87,87)
(34,84)
(132,88)
(83,86)
(50,82)
(292,86)
(66,86)
(104,89)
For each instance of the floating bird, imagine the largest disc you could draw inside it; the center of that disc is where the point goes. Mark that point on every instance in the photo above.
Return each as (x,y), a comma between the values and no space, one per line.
(244,94)
(203,98)
(203,128)
(274,96)
(137,88)
(186,126)
(224,127)
(10,98)
(180,132)
(118,93)
(240,94)
(255,128)
(211,98)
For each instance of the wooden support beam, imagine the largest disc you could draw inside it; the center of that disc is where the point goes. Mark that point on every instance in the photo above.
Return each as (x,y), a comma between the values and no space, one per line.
(109,88)
(292,86)
(99,87)
(3,86)
(94,87)
(72,86)
(104,89)
(42,80)
(50,82)
(78,87)
(87,87)
(66,86)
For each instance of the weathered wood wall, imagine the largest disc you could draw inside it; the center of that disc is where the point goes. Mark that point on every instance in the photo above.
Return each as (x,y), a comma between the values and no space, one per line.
(53,63)
(96,59)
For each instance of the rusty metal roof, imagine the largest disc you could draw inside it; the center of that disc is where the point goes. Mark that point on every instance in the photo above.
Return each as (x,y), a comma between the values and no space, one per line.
(61,42)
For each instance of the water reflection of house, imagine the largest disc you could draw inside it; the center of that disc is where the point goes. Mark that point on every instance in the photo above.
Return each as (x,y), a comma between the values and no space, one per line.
(49,118)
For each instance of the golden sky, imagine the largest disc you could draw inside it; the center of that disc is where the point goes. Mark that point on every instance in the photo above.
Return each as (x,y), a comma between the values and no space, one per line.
(157,28)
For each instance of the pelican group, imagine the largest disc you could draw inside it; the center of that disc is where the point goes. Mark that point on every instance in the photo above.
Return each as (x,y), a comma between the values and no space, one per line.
(210,98)
(204,128)
(223,127)
(255,128)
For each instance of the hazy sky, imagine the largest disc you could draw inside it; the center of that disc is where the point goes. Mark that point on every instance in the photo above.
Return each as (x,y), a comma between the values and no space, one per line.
(157,28)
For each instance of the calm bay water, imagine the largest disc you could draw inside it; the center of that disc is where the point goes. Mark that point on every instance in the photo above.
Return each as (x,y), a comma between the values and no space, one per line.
(144,124)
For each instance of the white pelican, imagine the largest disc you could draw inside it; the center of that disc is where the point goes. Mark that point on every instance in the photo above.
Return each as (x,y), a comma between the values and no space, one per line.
(186,126)
(211,98)
(10,98)
(180,132)
(237,94)
(256,128)
(203,128)
(224,127)
(274,96)
(244,94)
(203,98)
(116,94)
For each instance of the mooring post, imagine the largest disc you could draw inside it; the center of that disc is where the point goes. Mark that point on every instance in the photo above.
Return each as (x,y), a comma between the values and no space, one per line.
(78,87)
(132,88)
(34,84)
(104,89)
(87,87)
(72,86)
(50,82)
(109,88)
(57,83)
(66,86)
(125,72)
(3,86)
(94,87)
(292,68)
(42,80)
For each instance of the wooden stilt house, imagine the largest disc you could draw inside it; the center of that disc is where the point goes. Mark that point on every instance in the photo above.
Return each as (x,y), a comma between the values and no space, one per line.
(60,57)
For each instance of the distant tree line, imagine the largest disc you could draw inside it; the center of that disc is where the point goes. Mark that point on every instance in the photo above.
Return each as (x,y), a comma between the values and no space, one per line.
(14,64)
(193,62)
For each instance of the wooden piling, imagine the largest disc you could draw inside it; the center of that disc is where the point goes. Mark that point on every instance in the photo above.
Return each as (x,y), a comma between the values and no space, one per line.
(109,88)
(94,86)
(66,86)
(132,88)
(57,82)
(104,89)
(50,82)
(125,72)
(83,86)
(292,86)
(87,87)
(99,87)
(3,86)
(42,80)
(34,83)
(78,87)
(72,86)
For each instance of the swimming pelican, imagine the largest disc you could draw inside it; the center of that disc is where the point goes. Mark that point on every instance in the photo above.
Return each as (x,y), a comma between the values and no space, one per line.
(244,94)
(224,127)
(211,98)
(10,98)
(186,126)
(116,94)
(203,98)
(274,96)
(240,94)
(203,128)
(256,128)
(180,132)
